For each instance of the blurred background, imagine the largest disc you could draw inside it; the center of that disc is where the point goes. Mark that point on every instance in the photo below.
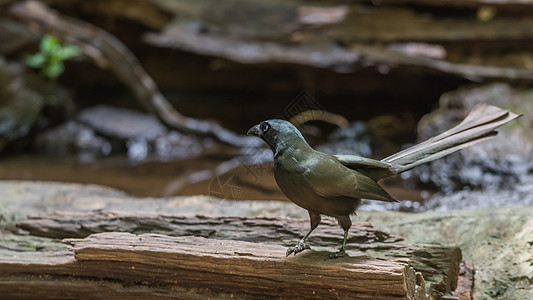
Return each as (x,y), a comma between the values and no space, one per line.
(154,97)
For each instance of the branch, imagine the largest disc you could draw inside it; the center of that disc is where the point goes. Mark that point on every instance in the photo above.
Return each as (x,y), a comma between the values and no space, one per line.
(109,53)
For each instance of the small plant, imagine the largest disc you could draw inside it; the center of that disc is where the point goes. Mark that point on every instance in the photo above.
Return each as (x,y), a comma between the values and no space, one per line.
(50,57)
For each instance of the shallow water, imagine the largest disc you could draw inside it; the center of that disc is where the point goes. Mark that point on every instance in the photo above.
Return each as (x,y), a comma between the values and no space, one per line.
(142,179)
(173,178)
(198,176)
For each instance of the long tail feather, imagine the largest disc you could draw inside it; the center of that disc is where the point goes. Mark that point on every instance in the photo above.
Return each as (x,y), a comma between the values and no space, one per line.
(478,126)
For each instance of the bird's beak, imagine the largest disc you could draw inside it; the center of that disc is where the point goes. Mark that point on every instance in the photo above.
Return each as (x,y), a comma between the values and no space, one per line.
(255,131)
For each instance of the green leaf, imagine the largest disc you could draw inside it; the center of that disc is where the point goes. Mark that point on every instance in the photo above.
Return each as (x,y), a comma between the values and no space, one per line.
(49,44)
(68,51)
(54,70)
(35,61)
(51,56)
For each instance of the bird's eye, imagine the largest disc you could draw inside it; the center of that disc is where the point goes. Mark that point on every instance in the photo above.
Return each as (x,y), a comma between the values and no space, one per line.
(265,127)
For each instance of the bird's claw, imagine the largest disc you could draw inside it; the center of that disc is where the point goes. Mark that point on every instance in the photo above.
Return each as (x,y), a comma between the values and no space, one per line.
(298,248)
(340,253)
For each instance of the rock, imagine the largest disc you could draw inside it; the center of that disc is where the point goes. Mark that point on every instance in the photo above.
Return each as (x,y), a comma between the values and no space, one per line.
(496,241)
(521,194)
(177,145)
(142,135)
(122,123)
(492,165)
(354,139)
(72,137)
(14,36)
(20,106)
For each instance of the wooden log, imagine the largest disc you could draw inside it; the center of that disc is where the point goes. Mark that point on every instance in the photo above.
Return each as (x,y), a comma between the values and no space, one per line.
(368,36)
(274,230)
(51,287)
(465,284)
(235,267)
(505,5)
(350,23)
(234,34)
(439,265)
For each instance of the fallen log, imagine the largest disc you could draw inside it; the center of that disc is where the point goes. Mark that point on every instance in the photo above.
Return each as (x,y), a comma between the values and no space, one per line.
(51,287)
(408,35)
(260,230)
(439,265)
(215,266)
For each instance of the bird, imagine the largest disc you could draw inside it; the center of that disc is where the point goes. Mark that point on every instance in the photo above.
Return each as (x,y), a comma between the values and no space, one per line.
(333,185)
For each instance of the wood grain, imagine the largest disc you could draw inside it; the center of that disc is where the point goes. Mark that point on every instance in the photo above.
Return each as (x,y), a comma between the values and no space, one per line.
(222,266)
(439,265)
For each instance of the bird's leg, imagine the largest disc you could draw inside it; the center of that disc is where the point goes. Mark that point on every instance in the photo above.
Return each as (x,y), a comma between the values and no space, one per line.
(345,223)
(342,250)
(301,246)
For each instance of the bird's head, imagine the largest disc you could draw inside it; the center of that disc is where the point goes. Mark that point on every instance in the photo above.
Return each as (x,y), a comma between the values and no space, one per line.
(278,134)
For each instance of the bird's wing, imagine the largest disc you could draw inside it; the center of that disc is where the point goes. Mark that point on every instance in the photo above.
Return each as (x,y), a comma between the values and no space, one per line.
(372,168)
(329,178)
(358,162)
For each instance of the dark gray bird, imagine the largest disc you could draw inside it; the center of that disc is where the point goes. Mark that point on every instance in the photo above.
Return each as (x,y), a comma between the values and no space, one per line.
(334,185)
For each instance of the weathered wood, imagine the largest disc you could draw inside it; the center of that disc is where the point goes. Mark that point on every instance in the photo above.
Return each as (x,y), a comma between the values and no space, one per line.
(52,287)
(236,267)
(481,233)
(465,284)
(352,22)
(259,33)
(506,5)
(438,264)
(285,231)
(368,36)
(141,11)
(352,58)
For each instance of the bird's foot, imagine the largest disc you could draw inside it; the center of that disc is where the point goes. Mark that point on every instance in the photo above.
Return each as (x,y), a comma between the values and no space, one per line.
(340,253)
(301,246)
